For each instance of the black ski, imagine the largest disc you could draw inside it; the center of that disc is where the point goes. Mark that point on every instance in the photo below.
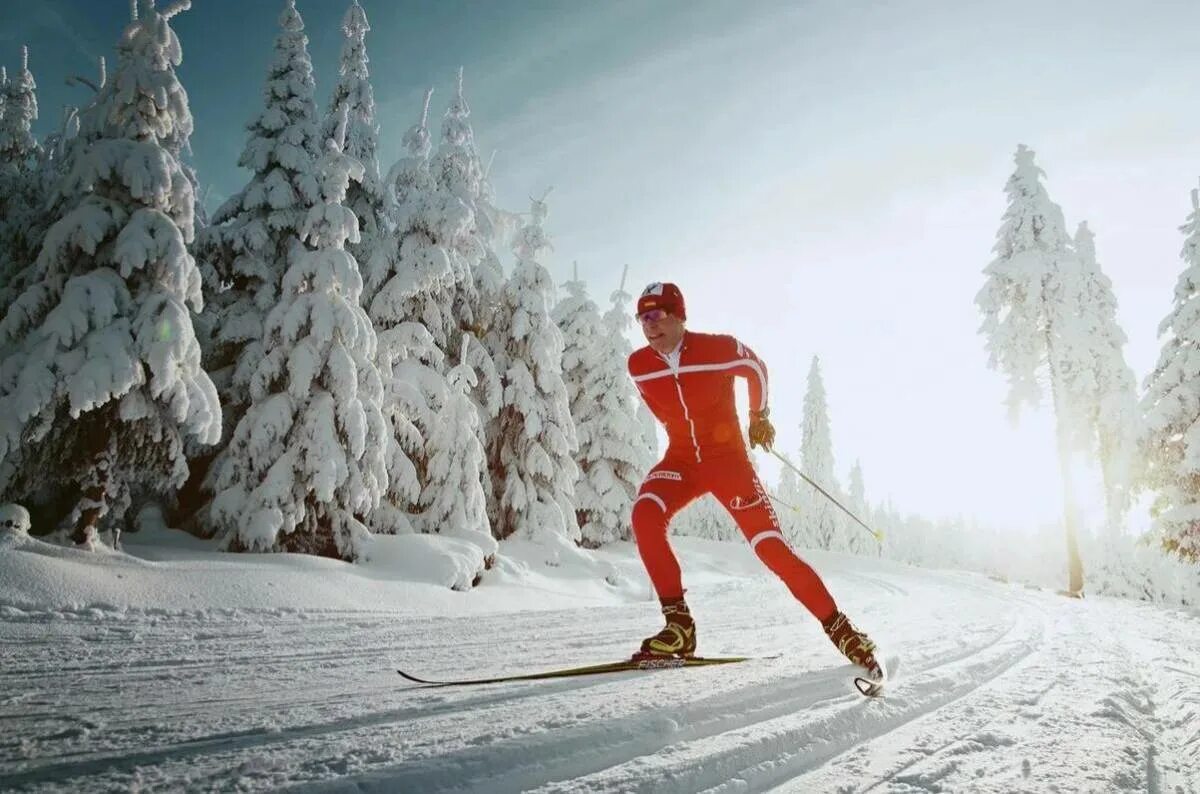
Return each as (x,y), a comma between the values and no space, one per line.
(594,669)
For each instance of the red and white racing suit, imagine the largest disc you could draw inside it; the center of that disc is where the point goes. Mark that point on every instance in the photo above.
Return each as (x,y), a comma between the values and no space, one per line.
(692,395)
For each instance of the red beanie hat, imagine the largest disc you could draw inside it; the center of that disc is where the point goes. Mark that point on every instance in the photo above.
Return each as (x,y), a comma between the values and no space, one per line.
(664,296)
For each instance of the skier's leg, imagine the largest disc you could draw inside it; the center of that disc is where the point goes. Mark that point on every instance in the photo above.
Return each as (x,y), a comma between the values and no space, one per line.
(738,489)
(743,495)
(665,491)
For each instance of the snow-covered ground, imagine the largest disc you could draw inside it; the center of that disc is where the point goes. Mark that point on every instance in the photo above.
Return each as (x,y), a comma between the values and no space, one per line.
(172,667)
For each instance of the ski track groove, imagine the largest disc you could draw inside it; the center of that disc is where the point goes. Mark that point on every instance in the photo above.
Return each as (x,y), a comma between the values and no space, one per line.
(785,726)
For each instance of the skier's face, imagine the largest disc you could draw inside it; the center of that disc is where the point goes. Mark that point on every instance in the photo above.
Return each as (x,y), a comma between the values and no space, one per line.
(663,331)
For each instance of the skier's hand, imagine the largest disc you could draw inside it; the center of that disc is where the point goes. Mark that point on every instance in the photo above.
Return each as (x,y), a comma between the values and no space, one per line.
(762,432)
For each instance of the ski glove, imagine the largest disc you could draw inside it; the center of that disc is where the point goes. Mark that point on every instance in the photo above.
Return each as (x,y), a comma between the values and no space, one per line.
(762,432)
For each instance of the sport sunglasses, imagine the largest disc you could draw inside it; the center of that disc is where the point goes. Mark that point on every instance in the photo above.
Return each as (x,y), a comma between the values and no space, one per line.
(652,316)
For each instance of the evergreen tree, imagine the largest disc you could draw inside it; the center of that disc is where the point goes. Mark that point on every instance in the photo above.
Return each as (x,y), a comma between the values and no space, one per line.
(455,501)
(531,457)
(816,461)
(106,379)
(1172,408)
(630,456)
(611,457)
(354,100)
(1047,309)
(306,462)
(1113,409)
(857,540)
(23,187)
(245,252)
(409,296)
(478,279)
(18,148)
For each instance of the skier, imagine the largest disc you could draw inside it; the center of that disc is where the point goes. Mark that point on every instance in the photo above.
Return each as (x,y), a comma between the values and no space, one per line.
(686,379)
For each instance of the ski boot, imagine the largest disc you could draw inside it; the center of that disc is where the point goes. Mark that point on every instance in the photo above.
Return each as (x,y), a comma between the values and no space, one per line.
(853,644)
(676,640)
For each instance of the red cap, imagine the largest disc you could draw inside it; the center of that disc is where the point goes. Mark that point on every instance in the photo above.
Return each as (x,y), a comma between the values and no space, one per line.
(664,296)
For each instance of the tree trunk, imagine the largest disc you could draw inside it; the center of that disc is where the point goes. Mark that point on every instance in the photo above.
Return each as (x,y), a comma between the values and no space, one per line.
(96,491)
(1062,420)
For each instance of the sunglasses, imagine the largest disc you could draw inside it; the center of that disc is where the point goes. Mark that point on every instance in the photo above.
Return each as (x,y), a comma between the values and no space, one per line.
(652,316)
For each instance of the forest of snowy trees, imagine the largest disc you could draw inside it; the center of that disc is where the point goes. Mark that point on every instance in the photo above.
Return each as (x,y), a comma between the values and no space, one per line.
(347,347)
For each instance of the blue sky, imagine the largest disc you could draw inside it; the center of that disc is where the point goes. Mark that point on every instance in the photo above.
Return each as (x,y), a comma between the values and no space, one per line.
(822,178)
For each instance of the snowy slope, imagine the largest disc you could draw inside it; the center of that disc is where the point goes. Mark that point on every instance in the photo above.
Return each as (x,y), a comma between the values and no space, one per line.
(174,667)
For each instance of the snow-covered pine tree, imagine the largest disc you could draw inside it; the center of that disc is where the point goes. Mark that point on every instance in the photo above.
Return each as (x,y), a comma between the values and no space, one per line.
(1172,408)
(106,380)
(628,454)
(18,147)
(457,170)
(1047,311)
(409,294)
(354,99)
(244,253)
(612,456)
(531,458)
(816,461)
(306,462)
(858,541)
(1113,410)
(789,511)
(578,320)
(478,278)
(454,500)
(22,186)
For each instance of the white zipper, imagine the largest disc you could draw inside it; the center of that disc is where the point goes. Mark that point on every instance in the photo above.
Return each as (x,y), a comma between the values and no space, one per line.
(679,390)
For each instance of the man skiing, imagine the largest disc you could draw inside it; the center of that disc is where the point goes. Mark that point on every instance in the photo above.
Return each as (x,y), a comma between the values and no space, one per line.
(686,379)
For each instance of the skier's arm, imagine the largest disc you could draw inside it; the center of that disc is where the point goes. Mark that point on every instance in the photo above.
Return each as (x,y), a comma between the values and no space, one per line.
(751,367)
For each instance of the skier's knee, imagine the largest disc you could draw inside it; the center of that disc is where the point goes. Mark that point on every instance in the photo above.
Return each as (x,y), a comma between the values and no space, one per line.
(649,514)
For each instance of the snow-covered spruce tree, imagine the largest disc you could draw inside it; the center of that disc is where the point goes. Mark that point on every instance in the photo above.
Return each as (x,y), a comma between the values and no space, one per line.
(1112,409)
(816,461)
(306,462)
(106,381)
(244,253)
(611,457)
(457,170)
(788,511)
(478,278)
(246,250)
(531,458)
(454,500)
(1049,312)
(354,99)
(624,445)
(409,293)
(18,147)
(23,220)
(1172,408)
(857,540)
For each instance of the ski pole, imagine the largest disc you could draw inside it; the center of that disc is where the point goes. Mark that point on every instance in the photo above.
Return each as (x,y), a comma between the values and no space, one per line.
(877,535)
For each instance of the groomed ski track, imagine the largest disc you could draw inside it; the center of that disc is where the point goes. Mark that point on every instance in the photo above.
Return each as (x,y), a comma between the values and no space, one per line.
(1001,688)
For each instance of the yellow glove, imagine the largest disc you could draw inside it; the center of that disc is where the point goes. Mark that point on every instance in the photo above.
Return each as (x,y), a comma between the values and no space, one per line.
(762,432)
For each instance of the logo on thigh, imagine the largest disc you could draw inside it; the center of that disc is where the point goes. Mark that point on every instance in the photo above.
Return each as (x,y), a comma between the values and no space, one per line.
(663,474)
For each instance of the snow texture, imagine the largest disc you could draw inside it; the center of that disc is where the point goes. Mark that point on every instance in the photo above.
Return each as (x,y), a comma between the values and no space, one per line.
(287,680)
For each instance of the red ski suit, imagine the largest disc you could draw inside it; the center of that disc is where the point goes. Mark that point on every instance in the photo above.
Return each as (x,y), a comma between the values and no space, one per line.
(693,398)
